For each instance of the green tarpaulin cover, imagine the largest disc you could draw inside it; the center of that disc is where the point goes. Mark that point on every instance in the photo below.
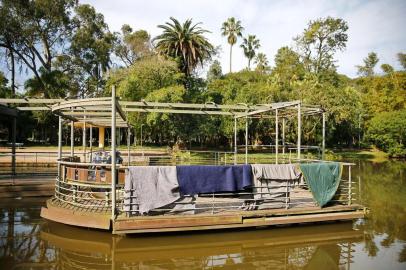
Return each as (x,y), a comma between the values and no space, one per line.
(323,180)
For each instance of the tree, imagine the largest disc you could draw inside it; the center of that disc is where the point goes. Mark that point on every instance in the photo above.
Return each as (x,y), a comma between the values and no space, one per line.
(387,130)
(4,90)
(388,69)
(262,63)
(319,42)
(90,49)
(215,71)
(143,77)
(402,59)
(250,44)
(185,42)
(288,65)
(232,29)
(369,64)
(131,46)
(35,32)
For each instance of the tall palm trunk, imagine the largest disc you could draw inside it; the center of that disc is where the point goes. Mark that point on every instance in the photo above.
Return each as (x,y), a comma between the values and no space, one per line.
(13,73)
(249,64)
(231,55)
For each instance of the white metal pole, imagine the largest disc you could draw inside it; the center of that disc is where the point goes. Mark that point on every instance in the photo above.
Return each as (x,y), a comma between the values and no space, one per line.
(323,143)
(235,141)
(72,138)
(59,146)
(246,140)
(276,136)
(128,145)
(91,142)
(84,139)
(142,149)
(299,130)
(13,146)
(59,152)
(113,153)
(283,135)
(60,138)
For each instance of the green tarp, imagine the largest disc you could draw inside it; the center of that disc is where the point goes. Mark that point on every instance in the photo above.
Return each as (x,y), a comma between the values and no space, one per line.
(323,180)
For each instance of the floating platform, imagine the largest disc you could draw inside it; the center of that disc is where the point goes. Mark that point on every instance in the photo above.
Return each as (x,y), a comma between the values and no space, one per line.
(227,219)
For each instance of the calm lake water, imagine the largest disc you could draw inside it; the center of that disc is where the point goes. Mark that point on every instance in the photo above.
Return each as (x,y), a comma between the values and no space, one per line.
(378,242)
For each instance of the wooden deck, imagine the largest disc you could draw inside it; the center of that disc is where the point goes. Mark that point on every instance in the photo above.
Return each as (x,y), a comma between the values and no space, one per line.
(100,218)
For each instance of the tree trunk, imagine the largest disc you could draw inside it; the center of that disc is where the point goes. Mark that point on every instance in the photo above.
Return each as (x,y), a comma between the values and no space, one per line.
(231,55)
(249,64)
(13,89)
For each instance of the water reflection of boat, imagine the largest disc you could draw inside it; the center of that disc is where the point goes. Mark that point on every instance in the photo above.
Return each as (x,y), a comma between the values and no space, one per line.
(302,247)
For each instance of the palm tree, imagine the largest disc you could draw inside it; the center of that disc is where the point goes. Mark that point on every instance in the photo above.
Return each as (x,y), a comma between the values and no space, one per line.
(232,29)
(184,42)
(262,62)
(249,45)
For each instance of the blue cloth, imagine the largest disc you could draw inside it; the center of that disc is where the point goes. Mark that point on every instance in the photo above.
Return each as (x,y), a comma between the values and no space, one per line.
(194,179)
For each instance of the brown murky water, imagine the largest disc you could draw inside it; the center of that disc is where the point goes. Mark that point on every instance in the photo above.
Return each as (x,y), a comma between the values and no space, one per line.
(378,242)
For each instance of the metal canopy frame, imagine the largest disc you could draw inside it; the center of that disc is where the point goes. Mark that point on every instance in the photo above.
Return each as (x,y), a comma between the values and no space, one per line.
(102,106)
(110,112)
(97,112)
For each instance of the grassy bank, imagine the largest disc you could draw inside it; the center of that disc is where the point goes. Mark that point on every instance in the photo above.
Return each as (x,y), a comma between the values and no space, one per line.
(363,154)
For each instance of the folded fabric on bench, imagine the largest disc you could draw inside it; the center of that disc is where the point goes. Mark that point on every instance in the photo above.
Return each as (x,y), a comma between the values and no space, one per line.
(195,179)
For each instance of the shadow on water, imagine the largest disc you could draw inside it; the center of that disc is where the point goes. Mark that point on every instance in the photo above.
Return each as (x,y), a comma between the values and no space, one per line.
(27,242)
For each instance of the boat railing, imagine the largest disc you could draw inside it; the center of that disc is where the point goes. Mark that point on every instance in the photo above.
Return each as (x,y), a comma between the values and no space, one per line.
(88,186)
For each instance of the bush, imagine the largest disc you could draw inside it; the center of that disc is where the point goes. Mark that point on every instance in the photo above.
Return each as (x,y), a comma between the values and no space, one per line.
(387,131)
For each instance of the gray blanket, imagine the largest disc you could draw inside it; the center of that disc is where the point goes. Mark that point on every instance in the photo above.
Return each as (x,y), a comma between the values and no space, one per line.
(273,181)
(150,187)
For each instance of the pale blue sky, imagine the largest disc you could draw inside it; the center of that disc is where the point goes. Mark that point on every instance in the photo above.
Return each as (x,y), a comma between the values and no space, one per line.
(373,25)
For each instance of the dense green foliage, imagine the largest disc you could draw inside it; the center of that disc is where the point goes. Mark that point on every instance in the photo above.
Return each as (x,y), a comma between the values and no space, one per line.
(387,130)
(70,52)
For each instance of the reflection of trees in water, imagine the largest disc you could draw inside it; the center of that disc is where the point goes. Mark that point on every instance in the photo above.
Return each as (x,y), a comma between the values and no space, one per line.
(22,247)
(384,192)
(20,243)
(328,256)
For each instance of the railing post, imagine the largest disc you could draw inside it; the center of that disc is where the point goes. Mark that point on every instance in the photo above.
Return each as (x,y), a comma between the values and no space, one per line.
(276,136)
(84,139)
(128,145)
(13,146)
(349,185)
(113,153)
(59,151)
(283,136)
(323,143)
(299,130)
(91,143)
(246,140)
(235,141)
(72,138)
